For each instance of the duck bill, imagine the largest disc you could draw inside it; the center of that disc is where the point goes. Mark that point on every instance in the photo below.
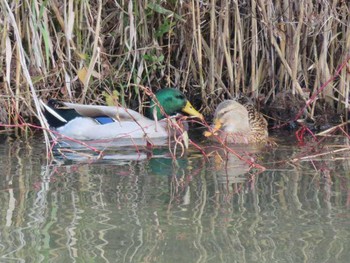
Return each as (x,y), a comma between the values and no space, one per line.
(215,128)
(190,110)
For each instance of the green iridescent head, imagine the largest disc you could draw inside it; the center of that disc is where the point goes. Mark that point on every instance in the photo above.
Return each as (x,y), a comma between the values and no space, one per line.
(172,101)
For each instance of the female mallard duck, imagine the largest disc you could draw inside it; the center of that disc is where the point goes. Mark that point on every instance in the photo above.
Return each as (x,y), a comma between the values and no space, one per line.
(92,122)
(237,123)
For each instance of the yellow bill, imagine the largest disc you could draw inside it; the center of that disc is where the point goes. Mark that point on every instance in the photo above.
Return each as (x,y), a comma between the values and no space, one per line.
(217,126)
(190,110)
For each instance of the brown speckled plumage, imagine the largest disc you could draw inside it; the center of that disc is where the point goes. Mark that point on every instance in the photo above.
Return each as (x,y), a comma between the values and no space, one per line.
(237,123)
(258,124)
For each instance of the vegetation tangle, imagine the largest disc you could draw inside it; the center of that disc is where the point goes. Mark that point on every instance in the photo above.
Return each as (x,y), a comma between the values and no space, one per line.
(290,57)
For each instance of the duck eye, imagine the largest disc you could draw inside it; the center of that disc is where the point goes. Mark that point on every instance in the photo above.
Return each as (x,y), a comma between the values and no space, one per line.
(180,96)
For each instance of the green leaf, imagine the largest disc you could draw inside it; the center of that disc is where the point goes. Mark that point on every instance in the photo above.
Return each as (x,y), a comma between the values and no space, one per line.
(164,28)
(161,10)
(112,99)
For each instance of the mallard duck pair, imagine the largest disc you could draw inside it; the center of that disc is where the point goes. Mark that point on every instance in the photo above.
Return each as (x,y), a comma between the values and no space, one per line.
(233,122)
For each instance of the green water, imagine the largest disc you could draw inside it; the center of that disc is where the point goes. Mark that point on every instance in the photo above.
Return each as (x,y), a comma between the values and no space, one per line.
(146,207)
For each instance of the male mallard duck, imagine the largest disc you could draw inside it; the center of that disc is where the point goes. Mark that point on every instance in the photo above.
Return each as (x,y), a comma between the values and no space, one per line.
(237,123)
(92,122)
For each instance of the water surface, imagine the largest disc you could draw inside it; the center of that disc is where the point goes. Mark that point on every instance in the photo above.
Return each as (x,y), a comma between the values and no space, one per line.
(146,206)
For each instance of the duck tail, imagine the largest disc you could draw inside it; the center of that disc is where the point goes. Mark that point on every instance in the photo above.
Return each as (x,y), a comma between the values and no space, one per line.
(56,116)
